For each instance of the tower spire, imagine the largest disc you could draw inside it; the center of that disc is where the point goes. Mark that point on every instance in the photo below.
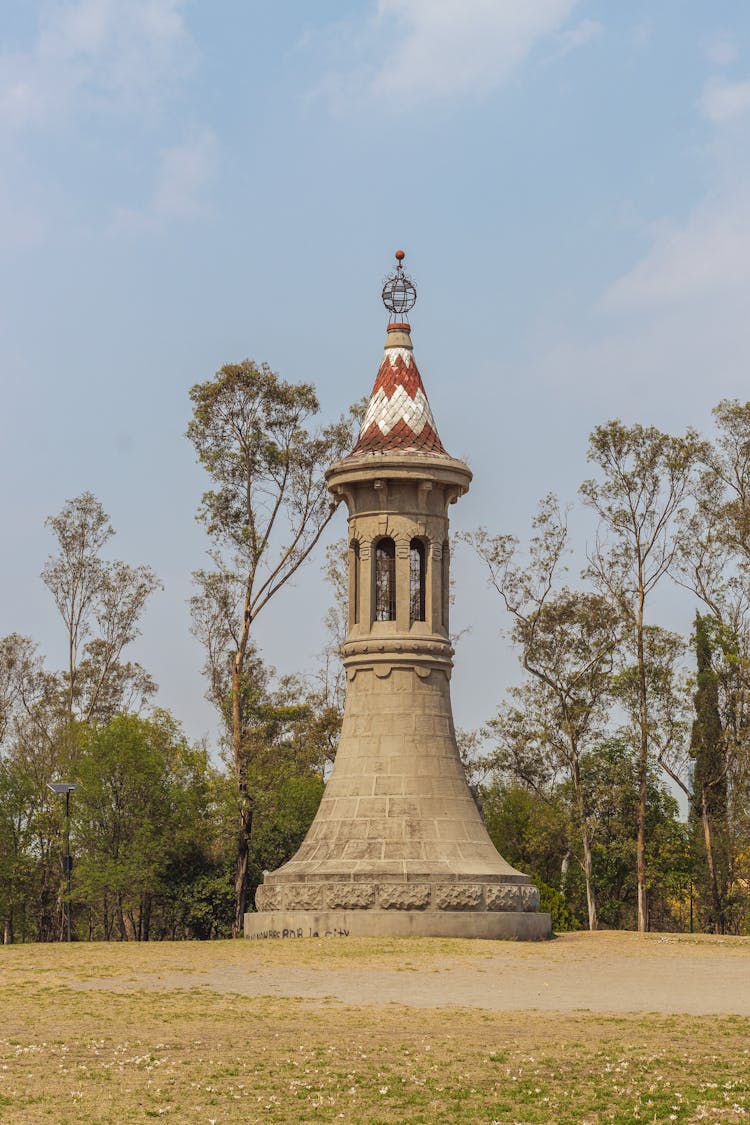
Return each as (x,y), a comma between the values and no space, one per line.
(398,415)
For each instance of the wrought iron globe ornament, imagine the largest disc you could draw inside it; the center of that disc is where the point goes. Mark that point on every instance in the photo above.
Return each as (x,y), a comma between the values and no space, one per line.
(399,292)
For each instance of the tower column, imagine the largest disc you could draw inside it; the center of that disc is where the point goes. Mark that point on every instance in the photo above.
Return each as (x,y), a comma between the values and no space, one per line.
(398,845)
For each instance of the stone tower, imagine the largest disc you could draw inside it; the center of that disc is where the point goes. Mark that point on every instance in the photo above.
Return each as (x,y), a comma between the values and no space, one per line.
(398,845)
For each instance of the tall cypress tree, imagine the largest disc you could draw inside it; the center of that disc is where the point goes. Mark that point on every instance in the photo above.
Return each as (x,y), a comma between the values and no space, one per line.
(709,781)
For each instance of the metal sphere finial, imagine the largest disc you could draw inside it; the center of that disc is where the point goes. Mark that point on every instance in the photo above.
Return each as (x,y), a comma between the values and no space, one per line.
(399,292)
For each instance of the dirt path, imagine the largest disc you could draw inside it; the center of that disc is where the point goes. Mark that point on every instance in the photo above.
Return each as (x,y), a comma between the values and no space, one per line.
(599,973)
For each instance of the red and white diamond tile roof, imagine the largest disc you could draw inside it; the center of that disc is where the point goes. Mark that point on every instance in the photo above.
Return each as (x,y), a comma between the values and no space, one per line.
(398,415)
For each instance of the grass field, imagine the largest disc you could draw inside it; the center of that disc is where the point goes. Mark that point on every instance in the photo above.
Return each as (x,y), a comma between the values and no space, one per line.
(104,1034)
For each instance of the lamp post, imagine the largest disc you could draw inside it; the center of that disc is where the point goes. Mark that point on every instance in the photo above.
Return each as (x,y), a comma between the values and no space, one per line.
(66,788)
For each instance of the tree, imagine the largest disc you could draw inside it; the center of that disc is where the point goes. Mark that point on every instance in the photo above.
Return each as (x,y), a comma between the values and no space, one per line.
(568,640)
(29,818)
(326,695)
(99,600)
(140,805)
(265,513)
(646,480)
(714,563)
(610,769)
(708,751)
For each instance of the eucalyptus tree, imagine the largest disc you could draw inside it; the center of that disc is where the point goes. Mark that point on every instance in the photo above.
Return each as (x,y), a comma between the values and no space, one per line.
(265,512)
(713,562)
(645,483)
(101,603)
(29,818)
(568,642)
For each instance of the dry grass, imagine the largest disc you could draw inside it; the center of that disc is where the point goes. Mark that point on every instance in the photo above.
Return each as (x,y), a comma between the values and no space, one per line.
(102,1053)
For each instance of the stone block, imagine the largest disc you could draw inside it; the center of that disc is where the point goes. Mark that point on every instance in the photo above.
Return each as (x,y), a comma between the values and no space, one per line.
(371,807)
(388,785)
(404,896)
(420,829)
(404,849)
(451,830)
(503,896)
(351,896)
(408,807)
(529,897)
(341,924)
(456,896)
(268,898)
(390,830)
(344,807)
(353,829)
(417,786)
(303,896)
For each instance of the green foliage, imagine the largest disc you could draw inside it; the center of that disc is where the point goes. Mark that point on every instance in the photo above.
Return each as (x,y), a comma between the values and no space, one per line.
(265,512)
(710,783)
(528,831)
(142,804)
(538,834)
(552,901)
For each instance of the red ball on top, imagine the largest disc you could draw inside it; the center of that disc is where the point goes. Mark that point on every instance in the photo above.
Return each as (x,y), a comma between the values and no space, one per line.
(400,255)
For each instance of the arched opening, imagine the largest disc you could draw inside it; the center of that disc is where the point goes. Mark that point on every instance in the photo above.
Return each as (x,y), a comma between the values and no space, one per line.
(417,575)
(385,580)
(355,581)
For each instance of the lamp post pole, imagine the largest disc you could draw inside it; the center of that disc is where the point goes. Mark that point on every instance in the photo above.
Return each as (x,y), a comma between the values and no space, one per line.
(67,856)
(66,788)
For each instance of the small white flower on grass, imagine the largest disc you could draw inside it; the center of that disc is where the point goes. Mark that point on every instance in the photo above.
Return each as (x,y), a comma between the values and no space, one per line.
(383,1090)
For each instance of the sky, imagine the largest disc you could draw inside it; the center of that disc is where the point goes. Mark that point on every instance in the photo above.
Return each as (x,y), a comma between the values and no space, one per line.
(187,184)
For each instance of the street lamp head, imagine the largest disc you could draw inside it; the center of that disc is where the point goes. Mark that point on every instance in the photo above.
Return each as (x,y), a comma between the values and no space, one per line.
(60,786)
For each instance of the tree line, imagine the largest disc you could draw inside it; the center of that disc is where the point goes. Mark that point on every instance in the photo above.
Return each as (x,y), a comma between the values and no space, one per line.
(576,774)
(616,713)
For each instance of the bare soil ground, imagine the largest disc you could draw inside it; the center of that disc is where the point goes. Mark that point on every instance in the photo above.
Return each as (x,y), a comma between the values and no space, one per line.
(586,1028)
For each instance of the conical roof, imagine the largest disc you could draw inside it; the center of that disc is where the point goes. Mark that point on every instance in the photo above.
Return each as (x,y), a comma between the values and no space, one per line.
(398,415)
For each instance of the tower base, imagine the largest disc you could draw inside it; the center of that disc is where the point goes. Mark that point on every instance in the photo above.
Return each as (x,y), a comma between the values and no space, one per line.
(505,925)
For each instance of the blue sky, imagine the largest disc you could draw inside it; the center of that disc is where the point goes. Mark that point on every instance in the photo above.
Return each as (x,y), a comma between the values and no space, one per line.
(185,184)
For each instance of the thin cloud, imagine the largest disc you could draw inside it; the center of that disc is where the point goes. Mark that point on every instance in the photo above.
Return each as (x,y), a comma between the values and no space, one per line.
(722,50)
(420,51)
(185,171)
(707,255)
(578,36)
(95,55)
(723,101)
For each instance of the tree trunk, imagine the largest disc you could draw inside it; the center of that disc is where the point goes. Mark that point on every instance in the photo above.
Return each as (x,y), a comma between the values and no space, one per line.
(133,926)
(245,825)
(243,853)
(146,917)
(642,771)
(71,672)
(587,871)
(585,841)
(121,920)
(564,868)
(8,928)
(718,913)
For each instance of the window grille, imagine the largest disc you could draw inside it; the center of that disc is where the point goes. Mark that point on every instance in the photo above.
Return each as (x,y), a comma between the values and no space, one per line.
(417,572)
(385,580)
